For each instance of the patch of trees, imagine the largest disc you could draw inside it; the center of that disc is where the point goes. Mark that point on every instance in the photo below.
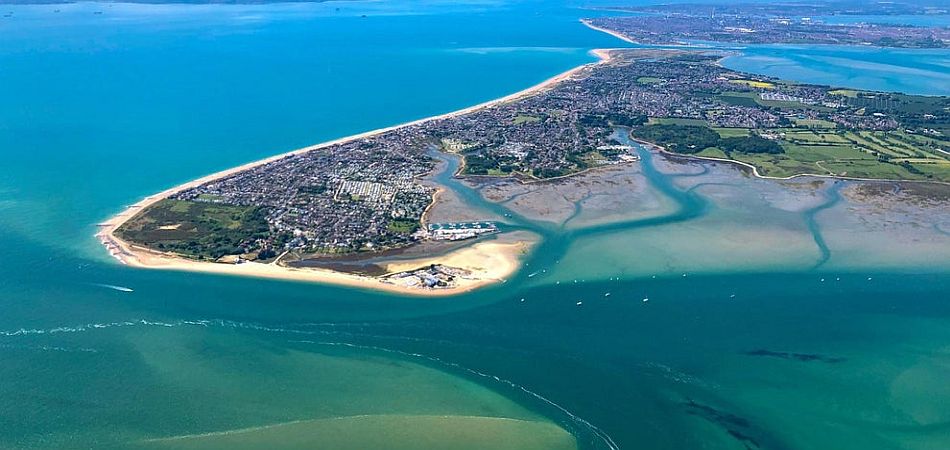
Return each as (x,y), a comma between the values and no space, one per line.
(679,138)
(923,42)
(205,230)
(266,253)
(694,139)
(314,189)
(405,226)
(548,172)
(910,168)
(483,163)
(479,164)
(750,144)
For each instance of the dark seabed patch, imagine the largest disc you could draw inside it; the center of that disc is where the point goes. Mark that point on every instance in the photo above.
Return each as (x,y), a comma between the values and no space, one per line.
(803,357)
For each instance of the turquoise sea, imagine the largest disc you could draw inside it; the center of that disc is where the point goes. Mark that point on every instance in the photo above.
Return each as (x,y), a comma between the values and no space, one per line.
(923,72)
(103,104)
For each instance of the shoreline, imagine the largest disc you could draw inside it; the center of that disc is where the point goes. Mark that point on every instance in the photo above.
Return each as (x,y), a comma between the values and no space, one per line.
(470,256)
(613,33)
(755,171)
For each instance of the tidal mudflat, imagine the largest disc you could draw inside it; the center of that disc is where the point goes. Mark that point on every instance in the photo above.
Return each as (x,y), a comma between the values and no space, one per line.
(684,215)
(97,355)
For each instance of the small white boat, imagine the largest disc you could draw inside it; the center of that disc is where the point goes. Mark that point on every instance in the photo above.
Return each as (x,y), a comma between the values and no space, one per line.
(607,294)
(580,303)
(646,299)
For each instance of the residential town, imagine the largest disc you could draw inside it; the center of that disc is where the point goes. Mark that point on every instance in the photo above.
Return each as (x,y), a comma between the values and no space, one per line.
(369,194)
(761,24)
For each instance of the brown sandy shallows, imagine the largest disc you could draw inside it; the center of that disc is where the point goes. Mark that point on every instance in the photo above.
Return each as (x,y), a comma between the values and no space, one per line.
(601,195)
(504,260)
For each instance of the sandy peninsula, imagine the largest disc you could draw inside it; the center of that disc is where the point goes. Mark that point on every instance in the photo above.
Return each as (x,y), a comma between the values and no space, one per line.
(486,262)
(613,33)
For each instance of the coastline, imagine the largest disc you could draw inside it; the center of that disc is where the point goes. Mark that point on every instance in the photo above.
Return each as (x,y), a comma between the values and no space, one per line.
(471,258)
(752,168)
(755,171)
(610,32)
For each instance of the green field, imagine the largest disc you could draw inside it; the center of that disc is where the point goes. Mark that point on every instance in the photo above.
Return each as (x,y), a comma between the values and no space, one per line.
(754,83)
(524,118)
(814,123)
(713,152)
(845,93)
(739,98)
(753,99)
(732,132)
(841,160)
(403,226)
(862,154)
(809,137)
(649,80)
(197,229)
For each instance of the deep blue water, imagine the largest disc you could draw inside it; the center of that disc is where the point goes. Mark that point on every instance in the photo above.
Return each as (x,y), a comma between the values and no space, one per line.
(99,110)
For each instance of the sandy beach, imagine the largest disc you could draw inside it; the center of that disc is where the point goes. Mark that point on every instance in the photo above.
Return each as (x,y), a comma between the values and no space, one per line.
(610,32)
(489,262)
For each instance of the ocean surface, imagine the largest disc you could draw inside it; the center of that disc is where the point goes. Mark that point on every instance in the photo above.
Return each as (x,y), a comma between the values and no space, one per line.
(923,72)
(106,103)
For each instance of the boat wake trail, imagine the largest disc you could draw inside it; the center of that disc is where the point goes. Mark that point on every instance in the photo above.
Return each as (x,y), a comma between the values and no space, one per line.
(113,287)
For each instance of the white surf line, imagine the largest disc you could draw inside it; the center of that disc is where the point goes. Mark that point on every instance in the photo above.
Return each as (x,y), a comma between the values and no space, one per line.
(145,322)
(591,427)
(99,326)
(49,348)
(243,325)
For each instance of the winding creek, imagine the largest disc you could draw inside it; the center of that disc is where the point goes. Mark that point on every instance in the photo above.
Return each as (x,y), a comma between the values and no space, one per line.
(97,355)
(556,238)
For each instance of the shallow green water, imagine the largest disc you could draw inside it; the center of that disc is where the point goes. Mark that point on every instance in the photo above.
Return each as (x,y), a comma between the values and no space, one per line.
(100,111)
